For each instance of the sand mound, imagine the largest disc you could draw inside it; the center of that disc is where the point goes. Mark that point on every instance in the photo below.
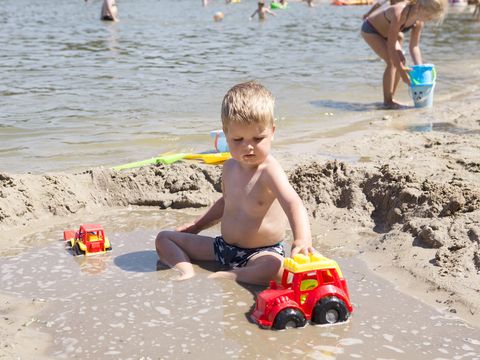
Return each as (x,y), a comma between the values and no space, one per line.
(24,198)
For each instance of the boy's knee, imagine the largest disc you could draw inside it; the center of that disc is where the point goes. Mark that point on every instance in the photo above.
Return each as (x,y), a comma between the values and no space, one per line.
(162,237)
(271,264)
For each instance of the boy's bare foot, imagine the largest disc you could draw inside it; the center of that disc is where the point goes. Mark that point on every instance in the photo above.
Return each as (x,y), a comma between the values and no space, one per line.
(183,277)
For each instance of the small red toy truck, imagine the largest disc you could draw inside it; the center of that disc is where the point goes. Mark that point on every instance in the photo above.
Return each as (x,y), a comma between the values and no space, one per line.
(312,288)
(89,239)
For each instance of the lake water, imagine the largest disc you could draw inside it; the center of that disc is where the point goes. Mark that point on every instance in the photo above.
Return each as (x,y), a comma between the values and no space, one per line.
(76,92)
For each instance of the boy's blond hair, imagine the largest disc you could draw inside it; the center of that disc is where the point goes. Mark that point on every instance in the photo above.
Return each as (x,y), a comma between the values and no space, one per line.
(248,103)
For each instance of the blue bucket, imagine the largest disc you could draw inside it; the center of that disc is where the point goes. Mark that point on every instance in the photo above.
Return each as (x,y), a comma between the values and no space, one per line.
(422,84)
(423,74)
(220,141)
(422,95)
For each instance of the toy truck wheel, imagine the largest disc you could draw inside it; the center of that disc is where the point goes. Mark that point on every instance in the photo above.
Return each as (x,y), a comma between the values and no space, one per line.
(77,250)
(288,318)
(330,310)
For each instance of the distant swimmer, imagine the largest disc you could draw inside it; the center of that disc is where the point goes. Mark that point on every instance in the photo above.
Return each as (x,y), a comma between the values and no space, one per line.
(262,11)
(109,11)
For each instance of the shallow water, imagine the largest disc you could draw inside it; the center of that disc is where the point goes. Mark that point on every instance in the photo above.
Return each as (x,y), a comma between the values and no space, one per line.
(77,92)
(119,306)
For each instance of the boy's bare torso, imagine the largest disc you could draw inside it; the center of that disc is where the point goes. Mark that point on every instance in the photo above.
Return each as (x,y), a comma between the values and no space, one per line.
(252,216)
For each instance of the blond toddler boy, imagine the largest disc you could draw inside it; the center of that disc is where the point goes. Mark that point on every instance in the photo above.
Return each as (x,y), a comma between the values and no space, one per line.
(256,201)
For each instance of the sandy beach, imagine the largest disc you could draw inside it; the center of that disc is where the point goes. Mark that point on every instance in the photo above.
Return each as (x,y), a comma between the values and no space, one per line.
(409,207)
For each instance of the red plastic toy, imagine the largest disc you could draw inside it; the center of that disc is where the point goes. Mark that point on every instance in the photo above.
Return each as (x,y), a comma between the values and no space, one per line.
(312,288)
(89,239)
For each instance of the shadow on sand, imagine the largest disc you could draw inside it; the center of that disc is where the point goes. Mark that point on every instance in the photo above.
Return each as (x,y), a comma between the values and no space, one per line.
(139,261)
(348,106)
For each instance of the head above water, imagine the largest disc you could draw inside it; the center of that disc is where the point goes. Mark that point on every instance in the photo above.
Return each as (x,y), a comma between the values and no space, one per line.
(248,103)
(432,9)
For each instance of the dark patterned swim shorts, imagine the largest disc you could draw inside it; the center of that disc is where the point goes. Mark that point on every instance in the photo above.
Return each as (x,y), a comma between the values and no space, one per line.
(234,256)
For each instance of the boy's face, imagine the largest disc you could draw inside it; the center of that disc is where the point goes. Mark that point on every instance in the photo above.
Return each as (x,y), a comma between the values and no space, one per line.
(249,144)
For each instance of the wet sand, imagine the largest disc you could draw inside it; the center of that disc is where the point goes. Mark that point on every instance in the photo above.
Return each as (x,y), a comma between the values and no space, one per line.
(401,203)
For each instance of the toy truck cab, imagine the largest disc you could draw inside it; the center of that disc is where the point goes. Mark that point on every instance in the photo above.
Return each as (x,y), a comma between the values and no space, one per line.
(89,239)
(312,288)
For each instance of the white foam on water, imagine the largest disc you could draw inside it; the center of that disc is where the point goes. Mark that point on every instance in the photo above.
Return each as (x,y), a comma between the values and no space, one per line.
(388,337)
(472,341)
(162,310)
(350,341)
(397,350)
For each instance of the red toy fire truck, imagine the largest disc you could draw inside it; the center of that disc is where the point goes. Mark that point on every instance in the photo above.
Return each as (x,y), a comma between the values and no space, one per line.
(312,288)
(89,239)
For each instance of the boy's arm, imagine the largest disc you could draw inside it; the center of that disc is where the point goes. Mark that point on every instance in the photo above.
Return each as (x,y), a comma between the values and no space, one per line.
(210,218)
(254,13)
(291,203)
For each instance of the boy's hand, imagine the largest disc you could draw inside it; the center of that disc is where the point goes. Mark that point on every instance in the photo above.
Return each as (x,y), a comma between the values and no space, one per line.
(301,247)
(188,228)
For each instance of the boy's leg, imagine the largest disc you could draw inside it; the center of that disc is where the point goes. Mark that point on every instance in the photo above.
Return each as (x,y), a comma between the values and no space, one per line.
(260,269)
(175,249)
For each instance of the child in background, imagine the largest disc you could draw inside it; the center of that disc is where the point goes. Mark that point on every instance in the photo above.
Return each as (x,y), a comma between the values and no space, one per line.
(256,197)
(109,11)
(262,11)
(377,5)
(381,31)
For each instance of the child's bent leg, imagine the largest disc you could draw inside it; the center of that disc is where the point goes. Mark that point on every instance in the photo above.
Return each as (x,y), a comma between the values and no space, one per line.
(259,270)
(175,249)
